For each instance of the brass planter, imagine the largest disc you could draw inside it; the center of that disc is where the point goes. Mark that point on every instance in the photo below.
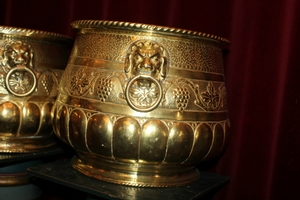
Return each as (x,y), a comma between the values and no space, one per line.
(142,104)
(31,65)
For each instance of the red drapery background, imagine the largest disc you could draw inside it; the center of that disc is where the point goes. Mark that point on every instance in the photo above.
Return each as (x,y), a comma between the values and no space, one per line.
(262,76)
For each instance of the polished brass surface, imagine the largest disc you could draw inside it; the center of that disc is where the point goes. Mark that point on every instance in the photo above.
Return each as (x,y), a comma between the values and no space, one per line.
(142,104)
(140,175)
(31,65)
(14,179)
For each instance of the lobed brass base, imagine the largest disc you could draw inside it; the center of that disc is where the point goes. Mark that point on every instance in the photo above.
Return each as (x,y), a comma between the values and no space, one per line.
(25,144)
(135,174)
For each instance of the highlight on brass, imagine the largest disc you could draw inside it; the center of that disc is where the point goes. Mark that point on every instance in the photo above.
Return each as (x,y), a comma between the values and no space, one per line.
(31,65)
(141,104)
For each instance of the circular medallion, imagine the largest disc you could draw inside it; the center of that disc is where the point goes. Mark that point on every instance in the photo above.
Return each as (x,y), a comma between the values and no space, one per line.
(143,93)
(20,81)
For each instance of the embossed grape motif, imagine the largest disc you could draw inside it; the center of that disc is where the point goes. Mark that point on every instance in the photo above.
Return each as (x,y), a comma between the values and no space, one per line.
(104,88)
(48,83)
(210,99)
(182,97)
(3,89)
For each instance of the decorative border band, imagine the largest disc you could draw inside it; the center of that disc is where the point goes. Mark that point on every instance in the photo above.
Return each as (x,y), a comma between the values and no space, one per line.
(114,65)
(159,113)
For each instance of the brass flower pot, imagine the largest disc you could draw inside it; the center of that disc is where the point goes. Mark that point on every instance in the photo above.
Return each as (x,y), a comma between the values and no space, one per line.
(31,65)
(142,104)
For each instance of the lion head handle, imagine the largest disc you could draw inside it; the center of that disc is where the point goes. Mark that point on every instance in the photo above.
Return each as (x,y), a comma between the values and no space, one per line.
(17,53)
(146,58)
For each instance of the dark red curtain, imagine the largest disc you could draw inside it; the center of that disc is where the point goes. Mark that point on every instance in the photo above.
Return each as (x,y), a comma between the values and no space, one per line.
(262,76)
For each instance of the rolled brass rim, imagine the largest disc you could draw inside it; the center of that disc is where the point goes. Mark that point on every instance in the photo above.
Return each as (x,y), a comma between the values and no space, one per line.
(134,174)
(12,32)
(14,179)
(26,144)
(102,24)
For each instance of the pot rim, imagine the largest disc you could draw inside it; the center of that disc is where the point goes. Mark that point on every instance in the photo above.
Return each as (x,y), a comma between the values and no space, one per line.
(104,24)
(17,32)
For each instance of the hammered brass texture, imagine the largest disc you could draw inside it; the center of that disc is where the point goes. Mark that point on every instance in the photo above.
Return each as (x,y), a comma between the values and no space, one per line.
(142,104)
(31,65)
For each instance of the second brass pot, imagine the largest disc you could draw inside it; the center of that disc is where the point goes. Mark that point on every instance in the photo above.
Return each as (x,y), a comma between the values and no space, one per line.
(31,65)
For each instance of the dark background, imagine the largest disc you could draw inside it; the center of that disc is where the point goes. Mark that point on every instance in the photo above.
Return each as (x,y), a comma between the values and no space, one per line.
(261,68)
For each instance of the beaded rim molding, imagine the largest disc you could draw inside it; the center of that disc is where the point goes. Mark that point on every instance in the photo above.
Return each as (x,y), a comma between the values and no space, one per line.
(144,27)
(11,32)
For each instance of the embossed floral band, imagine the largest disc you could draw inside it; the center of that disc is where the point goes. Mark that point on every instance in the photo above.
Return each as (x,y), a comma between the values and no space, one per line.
(142,104)
(31,64)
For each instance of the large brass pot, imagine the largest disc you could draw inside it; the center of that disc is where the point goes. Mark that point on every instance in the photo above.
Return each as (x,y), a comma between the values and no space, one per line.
(142,104)
(31,65)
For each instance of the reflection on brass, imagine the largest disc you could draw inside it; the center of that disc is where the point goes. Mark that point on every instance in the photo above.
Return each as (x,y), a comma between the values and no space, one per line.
(142,104)
(14,179)
(31,65)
